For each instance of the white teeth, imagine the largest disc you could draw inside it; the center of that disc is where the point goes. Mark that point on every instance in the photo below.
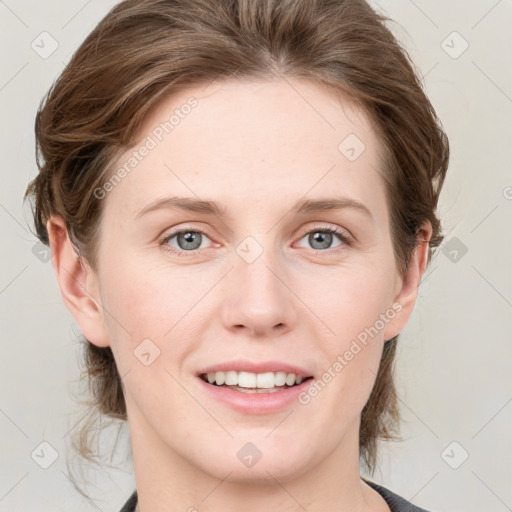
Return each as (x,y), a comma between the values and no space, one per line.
(266,380)
(231,378)
(290,379)
(246,380)
(280,378)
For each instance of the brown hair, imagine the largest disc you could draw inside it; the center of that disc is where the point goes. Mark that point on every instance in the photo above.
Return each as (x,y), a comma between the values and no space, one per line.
(144,49)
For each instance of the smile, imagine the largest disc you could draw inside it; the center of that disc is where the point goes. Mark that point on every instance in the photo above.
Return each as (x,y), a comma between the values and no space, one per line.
(248,382)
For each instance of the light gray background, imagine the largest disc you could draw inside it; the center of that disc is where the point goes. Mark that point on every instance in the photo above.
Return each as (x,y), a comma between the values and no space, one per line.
(453,366)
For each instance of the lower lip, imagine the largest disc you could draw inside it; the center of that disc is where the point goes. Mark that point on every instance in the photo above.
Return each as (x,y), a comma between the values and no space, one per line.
(256,403)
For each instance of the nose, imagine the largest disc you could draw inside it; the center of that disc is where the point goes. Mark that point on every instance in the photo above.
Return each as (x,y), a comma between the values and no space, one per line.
(258,298)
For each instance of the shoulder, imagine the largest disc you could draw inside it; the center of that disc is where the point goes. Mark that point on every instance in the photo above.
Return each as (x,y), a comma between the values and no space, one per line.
(395,502)
(130,505)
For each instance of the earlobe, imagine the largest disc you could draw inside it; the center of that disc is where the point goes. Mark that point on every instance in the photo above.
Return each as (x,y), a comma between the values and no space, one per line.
(409,283)
(77,282)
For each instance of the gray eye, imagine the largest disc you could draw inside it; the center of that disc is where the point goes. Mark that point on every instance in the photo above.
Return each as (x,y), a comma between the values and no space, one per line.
(321,239)
(187,240)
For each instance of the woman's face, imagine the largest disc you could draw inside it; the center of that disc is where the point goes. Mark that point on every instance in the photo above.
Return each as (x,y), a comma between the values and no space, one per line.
(255,281)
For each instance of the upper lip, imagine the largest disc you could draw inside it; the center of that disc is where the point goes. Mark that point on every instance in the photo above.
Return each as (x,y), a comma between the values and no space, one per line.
(255,367)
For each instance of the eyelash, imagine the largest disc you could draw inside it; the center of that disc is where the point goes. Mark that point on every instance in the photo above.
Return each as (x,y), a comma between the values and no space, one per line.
(163,242)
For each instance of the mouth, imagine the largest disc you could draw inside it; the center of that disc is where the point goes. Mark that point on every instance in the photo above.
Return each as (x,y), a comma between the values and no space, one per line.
(254,388)
(259,383)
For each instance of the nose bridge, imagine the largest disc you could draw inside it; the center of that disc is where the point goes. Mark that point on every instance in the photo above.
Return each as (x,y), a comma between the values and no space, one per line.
(258,296)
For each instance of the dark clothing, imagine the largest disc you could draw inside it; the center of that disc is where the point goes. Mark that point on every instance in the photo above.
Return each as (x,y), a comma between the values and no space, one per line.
(395,503)
(129,506)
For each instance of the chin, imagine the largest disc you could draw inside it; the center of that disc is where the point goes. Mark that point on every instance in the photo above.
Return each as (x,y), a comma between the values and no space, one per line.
(246,464)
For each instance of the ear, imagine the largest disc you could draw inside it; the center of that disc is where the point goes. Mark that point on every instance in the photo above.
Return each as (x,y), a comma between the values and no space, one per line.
(406,289)
(78,284)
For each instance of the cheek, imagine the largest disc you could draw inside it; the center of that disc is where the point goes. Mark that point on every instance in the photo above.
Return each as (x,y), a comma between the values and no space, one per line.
(350,301)
(149,317)
(151,303)
(353,310)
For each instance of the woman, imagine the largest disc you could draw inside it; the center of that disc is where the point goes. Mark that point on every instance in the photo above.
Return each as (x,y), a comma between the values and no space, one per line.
(240,197)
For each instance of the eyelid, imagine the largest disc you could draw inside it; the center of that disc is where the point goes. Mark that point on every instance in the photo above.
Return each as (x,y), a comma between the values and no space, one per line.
(344,236)
(163,239)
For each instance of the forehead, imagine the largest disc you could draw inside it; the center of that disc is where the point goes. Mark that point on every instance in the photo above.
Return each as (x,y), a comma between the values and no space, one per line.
(260,140)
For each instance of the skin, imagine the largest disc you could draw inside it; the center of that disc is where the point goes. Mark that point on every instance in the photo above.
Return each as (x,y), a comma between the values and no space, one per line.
(256,147)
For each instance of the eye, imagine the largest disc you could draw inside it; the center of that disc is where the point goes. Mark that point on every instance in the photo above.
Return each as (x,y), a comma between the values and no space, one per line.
(186,240)
(322,238)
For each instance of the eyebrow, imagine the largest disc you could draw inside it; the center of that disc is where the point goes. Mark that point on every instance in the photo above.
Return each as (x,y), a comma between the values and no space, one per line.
(191,204)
